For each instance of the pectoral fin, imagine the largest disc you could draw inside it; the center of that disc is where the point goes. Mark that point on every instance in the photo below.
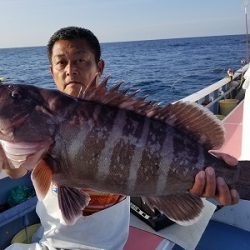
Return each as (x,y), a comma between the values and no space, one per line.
(41,177)
(183,208)
(71,202)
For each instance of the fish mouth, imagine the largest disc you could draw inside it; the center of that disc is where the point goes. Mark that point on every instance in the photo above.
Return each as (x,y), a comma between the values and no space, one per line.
(25,154)
(8,128)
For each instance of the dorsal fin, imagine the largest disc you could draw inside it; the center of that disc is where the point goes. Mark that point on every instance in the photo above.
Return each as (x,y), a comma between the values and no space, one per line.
(191,118)
(197,121)
(114,97)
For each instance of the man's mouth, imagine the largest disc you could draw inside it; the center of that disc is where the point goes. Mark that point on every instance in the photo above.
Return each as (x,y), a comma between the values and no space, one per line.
(72,83)
(73,88)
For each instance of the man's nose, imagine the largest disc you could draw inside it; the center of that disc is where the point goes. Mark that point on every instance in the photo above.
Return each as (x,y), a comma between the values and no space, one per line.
(71,68)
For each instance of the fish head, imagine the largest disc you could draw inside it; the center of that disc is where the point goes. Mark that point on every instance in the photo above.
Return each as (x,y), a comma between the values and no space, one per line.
(27,124)
(24,114)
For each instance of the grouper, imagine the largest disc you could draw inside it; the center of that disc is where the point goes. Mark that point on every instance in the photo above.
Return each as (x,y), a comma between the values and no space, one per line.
(112,141)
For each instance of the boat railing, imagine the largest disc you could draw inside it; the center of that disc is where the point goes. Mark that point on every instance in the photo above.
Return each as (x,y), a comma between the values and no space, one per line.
(211,95)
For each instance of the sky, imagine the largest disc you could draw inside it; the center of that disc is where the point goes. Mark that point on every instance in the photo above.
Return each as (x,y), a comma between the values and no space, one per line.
(31,22)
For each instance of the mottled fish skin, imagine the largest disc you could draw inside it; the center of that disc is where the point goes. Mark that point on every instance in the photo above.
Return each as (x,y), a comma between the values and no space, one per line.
(113,149)
(129,154)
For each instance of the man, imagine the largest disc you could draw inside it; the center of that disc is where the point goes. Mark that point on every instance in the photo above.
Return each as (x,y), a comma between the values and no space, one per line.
(75,60)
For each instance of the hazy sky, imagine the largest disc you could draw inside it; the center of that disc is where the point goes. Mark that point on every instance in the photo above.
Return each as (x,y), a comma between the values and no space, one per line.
(31,22)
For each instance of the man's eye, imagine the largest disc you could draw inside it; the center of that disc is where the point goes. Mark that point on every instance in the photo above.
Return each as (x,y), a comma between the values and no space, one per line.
(82,60)
(60,63)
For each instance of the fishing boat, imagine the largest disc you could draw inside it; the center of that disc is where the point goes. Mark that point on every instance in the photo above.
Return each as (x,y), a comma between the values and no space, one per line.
(219,228)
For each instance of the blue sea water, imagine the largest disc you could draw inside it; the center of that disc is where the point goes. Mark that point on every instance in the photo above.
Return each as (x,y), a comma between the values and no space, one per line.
(165,70)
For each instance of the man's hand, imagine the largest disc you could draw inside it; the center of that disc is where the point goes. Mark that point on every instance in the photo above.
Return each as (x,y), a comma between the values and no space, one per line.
(209,186)
(15,173)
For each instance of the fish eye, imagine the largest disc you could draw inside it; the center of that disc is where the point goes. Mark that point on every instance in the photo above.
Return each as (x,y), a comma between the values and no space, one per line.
(15,94)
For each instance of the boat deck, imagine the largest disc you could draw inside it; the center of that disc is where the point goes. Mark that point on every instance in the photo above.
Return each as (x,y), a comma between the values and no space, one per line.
(225,235)
(233,132)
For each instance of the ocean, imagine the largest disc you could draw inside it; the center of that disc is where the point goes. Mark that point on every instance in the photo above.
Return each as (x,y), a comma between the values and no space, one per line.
(165,70)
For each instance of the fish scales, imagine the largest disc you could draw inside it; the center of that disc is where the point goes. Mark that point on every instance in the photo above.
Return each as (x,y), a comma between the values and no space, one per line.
(113,173)
(149,171)
(89,143)
(137,156)
(104,161)
(113,140)
(123,152)
(188,158)
(167,156)
(96,144)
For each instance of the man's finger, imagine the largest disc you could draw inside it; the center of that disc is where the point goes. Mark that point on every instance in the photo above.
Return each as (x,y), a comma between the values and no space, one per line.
(199,184)
(210,188)
(235,196)
(223,192)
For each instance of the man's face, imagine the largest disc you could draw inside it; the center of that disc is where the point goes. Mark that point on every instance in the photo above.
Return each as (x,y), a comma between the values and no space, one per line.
(73,65)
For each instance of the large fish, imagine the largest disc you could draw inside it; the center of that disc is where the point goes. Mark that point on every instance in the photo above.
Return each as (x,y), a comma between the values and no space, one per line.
(108,141)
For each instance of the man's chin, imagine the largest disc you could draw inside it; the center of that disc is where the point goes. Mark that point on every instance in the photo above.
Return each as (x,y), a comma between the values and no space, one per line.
(73,89)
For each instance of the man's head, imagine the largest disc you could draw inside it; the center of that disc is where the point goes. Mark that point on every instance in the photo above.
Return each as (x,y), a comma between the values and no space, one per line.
(74,54)
(72,33)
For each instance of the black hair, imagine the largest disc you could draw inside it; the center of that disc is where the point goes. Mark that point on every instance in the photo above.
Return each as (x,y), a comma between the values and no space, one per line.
(71,33)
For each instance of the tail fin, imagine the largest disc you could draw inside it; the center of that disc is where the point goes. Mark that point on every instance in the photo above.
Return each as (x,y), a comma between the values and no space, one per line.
(243,183)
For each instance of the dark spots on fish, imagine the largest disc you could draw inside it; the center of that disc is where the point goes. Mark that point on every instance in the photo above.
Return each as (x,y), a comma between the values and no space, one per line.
(179,180)
(178,145)
(148,172)
(87,112)
(183,167)
(91,154)
(107,115)
(120,163)
(241,180)
(96,139)
(100,115)
(133,126)
(186,152)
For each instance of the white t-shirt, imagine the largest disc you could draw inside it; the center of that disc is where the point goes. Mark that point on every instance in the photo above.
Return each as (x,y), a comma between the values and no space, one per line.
(107,229)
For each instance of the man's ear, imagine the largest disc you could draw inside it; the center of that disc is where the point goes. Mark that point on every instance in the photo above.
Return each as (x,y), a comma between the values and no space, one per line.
(101,65)
(51,70)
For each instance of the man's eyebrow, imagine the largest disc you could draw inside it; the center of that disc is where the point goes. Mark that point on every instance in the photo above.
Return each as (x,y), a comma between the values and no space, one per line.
(59,55)
(80,52)
(75,53)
